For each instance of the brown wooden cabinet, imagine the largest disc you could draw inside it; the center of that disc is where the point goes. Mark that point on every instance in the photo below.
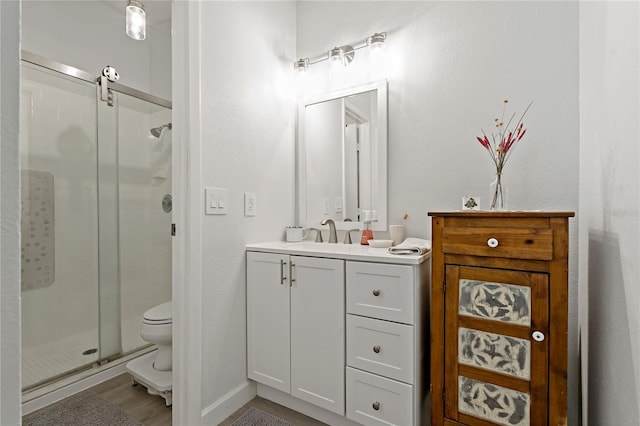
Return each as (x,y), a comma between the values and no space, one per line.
(499,318)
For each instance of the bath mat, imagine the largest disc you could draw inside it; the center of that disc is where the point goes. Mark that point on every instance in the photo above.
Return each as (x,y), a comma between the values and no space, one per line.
(85,408)
(256,417)
(37,229)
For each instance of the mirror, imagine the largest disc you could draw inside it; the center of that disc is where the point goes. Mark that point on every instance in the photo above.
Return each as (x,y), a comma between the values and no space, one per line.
(342,158)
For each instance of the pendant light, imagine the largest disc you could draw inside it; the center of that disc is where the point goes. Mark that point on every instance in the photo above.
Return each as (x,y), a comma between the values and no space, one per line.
(136,20)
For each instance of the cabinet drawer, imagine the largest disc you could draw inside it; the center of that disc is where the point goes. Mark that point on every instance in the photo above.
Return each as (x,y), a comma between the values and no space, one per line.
(513,243)
(380,291)
(380,347)
(373,400)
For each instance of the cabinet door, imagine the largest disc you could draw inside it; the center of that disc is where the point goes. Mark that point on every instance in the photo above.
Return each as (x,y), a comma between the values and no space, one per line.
(496,346)
(317,332)
(268,337)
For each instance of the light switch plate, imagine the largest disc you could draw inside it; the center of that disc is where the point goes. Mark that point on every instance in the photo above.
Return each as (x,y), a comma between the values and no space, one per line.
(216,201)
(249,203)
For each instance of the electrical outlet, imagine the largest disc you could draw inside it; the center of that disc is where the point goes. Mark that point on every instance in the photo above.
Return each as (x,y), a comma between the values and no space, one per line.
(249,203)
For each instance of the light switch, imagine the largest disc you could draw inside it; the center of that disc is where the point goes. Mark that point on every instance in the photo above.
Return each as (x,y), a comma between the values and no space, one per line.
(215,200)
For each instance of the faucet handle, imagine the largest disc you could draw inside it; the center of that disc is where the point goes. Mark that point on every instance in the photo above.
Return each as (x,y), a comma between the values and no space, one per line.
(347,236)
(318,235)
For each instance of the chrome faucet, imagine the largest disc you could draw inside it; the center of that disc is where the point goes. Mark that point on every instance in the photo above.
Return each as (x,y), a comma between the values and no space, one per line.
(333,236)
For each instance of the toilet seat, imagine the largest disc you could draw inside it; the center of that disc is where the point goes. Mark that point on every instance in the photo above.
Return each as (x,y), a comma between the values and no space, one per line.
(159,315)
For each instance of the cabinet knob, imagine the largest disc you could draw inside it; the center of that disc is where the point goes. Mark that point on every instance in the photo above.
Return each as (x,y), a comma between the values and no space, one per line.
(538,336)
(376,349)
(376,405)
(492,242)
(376,292)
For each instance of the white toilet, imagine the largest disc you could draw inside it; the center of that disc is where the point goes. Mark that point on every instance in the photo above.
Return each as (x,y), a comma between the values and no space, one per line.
(153,370)
(156,328)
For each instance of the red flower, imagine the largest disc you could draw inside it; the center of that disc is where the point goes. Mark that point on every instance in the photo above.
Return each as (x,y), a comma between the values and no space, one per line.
(500,145)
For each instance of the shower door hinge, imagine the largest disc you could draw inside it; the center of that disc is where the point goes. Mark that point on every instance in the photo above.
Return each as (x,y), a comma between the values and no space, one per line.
(173,229)
(106,95)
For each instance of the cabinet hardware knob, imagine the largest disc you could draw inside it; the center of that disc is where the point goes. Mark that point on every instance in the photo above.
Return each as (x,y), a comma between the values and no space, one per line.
(376,406)
(538,336)
(492,242)
(376,349)
(376,292)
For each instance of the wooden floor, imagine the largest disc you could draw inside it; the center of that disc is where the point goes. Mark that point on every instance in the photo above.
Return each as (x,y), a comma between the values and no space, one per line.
(291,416)
(152,411)
(135,401)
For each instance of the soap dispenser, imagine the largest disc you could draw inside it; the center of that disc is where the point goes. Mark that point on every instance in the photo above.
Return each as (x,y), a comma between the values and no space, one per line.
(367,233)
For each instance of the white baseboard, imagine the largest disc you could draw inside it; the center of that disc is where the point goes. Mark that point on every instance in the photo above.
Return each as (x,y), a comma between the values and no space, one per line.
(230,403)
(303,407)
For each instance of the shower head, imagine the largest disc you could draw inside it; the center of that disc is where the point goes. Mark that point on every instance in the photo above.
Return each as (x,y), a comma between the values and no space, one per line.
(157,131)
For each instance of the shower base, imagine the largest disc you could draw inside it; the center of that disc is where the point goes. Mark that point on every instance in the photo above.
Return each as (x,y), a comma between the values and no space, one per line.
(44,362)
(40,397)
(50,361)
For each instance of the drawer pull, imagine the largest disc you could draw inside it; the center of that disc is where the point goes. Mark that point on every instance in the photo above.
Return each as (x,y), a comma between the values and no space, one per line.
(282,277)
(376,349)
(538,336)
(492,242)
(376,405)
(376,292)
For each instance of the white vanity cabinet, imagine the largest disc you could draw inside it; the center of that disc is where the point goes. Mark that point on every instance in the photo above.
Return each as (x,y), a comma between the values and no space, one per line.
(341,327)
(295,326)
(384,346)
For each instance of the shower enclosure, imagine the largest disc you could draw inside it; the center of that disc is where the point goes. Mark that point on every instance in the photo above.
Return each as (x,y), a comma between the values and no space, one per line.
(96,218)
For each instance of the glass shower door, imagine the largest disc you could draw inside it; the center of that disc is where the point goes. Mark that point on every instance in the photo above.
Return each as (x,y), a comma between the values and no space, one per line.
(142,130)
(58,155)
(96,220)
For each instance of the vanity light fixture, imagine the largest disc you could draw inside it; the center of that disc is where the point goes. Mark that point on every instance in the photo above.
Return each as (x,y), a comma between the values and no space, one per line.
(301,65)
(136,20)
(376,41)
(342,54)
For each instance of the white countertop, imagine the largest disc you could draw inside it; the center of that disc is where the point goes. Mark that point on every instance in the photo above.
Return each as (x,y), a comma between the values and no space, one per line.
(338,251)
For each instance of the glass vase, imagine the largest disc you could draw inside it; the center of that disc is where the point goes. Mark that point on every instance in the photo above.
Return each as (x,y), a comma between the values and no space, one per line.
(498,193)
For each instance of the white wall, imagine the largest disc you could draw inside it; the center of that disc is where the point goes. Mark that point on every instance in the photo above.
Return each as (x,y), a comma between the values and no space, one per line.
(247,110)
(609,210)
(9,215)
(89,35)
(449,65)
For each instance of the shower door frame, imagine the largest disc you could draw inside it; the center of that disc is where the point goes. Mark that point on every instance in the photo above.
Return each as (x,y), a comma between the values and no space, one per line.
(104,86)
(70,71)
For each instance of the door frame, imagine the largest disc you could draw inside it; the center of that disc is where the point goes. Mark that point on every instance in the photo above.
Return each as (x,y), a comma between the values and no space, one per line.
(186,246)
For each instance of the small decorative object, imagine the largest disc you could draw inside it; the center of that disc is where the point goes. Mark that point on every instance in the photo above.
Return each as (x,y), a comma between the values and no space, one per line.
(396,232)
(470,203)
(500,148)
(296,233)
